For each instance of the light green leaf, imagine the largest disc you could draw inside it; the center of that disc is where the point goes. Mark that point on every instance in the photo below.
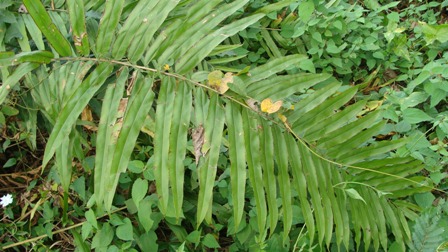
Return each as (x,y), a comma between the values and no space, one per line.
(432,33)
(91,218)
(139,190)
(306,9)
(77,102)
(105,140)
(178,144)
(108,23)
(207,169)
(210,242)
(144,214)
(125,231)
(78,24)
(137,109)
(37,10)
(103,237)
(237,156)
(9,83)
(414,116)
(352,193)
(164,118)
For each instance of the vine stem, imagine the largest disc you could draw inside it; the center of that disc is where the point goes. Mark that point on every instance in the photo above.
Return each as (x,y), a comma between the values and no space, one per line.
(285,124)
(56,232)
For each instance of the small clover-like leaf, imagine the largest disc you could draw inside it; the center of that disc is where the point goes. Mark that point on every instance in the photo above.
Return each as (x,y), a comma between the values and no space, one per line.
(268,106)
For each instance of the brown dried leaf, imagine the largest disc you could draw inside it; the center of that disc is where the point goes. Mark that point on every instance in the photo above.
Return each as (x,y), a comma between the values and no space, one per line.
(86,115)
(197,136)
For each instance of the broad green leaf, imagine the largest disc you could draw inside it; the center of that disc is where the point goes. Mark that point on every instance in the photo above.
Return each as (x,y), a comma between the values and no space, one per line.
(13,79)
(310,164)
(139,190)
(35,33)
(373,200)
(77,102)
(103,237)
(64,158)
(300,182)
(306,9)
(414,116)
(197,53)
(210,242)
(281,154)
(393,222)
(432,33)
(178,144)
(312,101)
(274,66)
(335,122)
(371,151)
(252,130)
(185,32)
(314,118)
(274,7)
(42,57)
(78,25)
(137,109)
(125,231)
(148,241)
(105,143)
(280,87)
(343,135)
(270,44)
(352,193)
(137,20)
(54,36)
(164,118)
(237,156)
(144,214)
(141,38)
(91,218)
(207,169)
(267,150)
(108,23)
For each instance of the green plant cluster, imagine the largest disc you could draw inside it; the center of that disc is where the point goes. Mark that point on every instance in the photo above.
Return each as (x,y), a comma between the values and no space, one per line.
(123,136)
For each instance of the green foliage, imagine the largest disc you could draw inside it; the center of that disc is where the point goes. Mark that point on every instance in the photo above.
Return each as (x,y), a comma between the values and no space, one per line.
(429,229)
(151,153)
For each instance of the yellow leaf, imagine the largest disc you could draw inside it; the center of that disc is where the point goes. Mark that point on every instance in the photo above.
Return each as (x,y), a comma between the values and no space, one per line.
(217,81)
(282,117)
(372,105)
(268,106)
